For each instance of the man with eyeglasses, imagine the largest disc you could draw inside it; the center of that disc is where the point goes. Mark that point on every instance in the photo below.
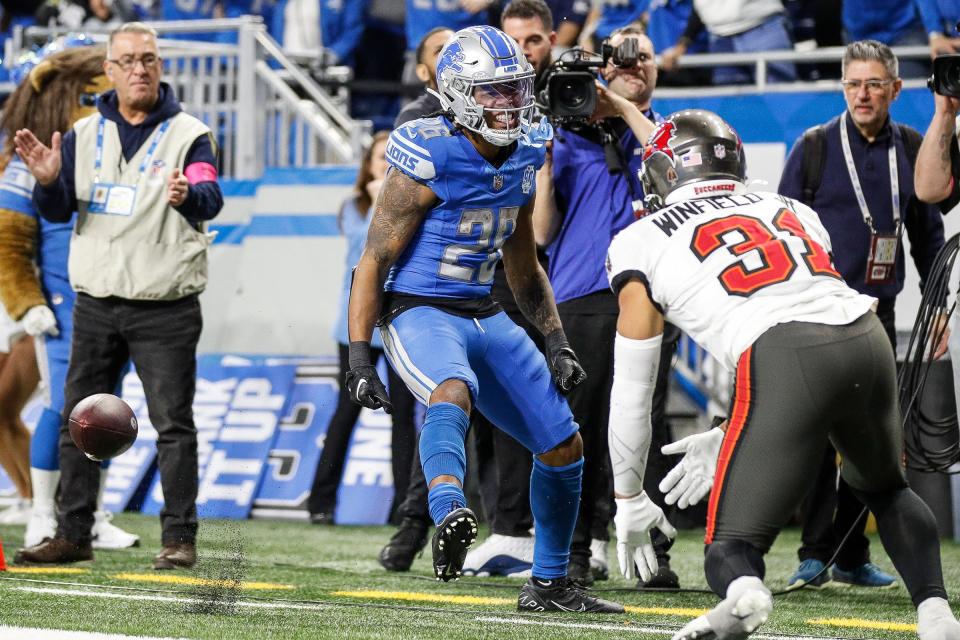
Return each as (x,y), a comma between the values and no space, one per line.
(856,171)
(141,175)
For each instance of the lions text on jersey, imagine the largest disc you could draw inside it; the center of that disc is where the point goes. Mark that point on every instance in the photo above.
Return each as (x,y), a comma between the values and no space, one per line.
(727,268)
(456,250)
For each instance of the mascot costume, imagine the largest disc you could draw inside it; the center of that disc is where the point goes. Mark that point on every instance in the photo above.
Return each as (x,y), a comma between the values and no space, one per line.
(56,87)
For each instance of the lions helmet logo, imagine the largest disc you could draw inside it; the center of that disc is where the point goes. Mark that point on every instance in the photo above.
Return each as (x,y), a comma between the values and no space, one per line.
(452,58)
(660,142)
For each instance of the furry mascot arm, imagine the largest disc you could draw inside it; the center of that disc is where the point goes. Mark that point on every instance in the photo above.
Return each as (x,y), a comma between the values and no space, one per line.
(19,286)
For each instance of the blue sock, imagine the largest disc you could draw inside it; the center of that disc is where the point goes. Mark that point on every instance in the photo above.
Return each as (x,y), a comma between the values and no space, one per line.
(443,499)
(442,453)
(554,501)
(45,443)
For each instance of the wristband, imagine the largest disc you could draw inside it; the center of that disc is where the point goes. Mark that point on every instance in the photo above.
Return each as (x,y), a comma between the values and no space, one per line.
(555,341)
(359,354)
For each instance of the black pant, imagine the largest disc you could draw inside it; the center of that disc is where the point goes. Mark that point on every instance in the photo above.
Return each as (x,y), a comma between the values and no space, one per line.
(323,496)
(833,509)
(591,336)
(161,339)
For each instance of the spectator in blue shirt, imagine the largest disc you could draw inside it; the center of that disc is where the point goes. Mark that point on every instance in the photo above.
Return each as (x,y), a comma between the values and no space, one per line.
(871,83)
(895,23)
(940,19)
(334,26)
(583,200)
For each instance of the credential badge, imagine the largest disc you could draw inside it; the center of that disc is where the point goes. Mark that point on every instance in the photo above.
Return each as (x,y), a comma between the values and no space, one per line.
(528,176)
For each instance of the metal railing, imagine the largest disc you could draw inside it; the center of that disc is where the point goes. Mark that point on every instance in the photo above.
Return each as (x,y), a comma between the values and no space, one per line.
(263,108)
(760,62)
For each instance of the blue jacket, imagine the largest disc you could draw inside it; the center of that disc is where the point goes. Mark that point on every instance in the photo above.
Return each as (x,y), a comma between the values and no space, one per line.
(58,201)
(940,15)
(883,20)
(836,204)
(341,26)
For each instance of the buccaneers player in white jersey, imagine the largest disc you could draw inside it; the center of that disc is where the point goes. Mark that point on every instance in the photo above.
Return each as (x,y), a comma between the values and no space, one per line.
(750,278)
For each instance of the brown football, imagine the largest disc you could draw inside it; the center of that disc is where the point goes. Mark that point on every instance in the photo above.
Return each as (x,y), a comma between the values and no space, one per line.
(103,426)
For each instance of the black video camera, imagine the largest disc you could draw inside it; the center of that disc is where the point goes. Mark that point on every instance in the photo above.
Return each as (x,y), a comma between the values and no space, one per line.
(946,75)
(568,90)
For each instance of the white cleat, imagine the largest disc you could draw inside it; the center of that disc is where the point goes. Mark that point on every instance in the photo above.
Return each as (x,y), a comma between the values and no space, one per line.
(935,621)
(106,535)
(501,555)
(17,513)
(40,526)
(747,606)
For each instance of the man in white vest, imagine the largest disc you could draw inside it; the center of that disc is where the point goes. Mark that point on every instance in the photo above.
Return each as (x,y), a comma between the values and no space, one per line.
(141,176)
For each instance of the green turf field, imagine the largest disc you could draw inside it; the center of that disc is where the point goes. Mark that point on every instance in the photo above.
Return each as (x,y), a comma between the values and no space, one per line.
(303,581)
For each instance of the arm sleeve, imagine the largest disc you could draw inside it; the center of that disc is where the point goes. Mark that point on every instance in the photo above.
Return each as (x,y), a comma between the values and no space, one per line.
(791,180)
(694,26)
(353,23)
(58,201)
(204,197)
(930,15)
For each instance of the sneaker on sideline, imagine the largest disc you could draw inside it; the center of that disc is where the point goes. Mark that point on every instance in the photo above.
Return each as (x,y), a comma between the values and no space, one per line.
(806,574)
(866,575)
(107,535)
(501,555)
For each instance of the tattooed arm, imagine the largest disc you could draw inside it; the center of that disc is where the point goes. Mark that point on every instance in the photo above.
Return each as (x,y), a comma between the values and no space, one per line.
(400,209)
(932,178)
(527,280)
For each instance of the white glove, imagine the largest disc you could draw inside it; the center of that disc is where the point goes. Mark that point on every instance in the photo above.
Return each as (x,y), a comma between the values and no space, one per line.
(39,320)
(635,518)
(692,478)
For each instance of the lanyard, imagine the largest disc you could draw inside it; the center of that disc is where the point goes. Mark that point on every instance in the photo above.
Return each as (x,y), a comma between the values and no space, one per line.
(858,190)
(98,158)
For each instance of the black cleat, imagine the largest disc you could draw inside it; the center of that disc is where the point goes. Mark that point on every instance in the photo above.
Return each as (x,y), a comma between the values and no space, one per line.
(453,537)
(664,579)
(562,594)
(408,541)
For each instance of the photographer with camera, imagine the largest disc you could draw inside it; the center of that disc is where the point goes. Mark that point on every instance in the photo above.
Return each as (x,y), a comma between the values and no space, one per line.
(587,191)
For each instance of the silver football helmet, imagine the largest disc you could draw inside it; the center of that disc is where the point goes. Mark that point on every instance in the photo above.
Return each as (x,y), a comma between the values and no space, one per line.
(481,70)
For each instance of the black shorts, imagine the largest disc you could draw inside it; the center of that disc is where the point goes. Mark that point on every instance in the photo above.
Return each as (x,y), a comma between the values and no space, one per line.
(797,386)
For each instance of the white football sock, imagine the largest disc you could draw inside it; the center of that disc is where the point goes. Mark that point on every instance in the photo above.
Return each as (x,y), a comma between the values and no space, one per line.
(44,490)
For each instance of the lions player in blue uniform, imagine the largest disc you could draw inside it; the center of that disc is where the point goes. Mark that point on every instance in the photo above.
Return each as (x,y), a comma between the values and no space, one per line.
(459,194)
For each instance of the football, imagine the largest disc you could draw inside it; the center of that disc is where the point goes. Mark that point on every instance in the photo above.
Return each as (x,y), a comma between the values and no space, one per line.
(103,426)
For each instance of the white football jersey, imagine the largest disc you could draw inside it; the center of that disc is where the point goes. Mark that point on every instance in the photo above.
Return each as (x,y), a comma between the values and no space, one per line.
(727,268)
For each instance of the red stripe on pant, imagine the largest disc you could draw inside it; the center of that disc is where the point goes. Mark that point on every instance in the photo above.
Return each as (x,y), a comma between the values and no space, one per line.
(738,417)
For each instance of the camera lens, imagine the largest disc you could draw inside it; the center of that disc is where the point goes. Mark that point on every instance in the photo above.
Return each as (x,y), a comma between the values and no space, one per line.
(951,79)
(572,93)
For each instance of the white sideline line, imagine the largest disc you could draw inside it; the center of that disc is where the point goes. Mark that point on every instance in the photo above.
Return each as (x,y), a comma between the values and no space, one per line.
(620,628)
(59,634)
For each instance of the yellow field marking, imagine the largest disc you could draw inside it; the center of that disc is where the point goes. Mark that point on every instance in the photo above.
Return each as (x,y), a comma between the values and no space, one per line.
(200,582)
(414,596)
(858,623)
(666,611)
(47,570)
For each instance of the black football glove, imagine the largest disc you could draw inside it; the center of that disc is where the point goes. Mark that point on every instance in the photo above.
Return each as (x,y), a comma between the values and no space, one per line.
(564,366)
(363,382)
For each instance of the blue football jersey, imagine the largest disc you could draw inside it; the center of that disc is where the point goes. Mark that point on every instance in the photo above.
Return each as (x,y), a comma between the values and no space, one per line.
(53,244)
(456,249)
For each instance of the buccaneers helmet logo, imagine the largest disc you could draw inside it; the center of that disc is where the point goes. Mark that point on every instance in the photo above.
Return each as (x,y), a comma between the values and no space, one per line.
(660,142)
